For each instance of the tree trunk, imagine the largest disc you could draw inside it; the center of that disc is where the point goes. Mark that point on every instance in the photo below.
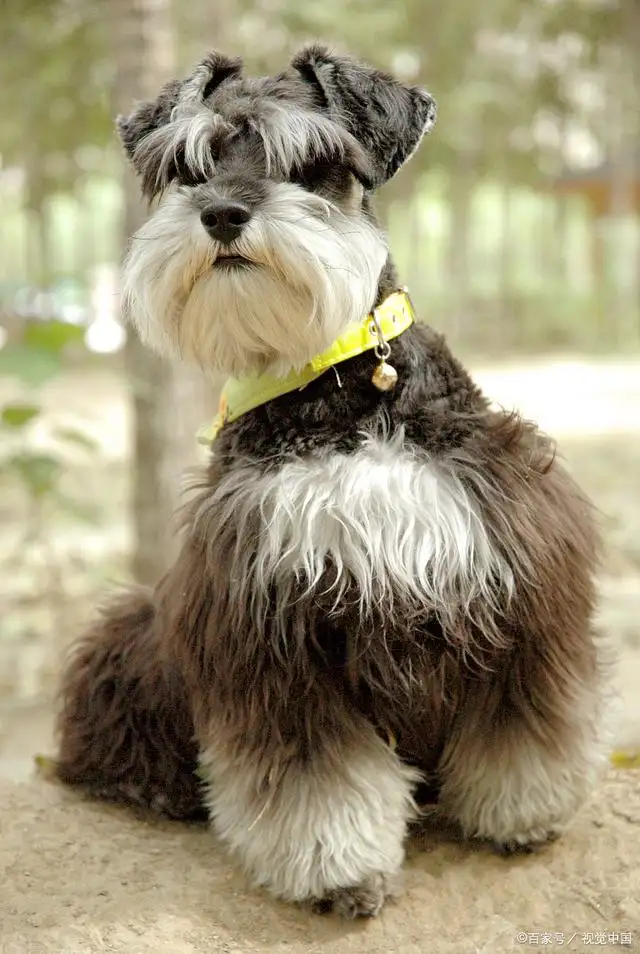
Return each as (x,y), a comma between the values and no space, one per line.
(143,55)
(39,262)
(622,186)
(560,244)
(504,325)
(599,273)
(633,113)
(460,196)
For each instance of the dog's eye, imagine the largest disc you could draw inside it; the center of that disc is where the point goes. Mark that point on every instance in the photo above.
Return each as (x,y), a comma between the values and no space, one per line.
(186,177)
(309,176)
(322,175)
(189,174)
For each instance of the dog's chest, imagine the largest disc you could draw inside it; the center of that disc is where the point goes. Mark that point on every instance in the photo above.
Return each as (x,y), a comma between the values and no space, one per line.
(385,520)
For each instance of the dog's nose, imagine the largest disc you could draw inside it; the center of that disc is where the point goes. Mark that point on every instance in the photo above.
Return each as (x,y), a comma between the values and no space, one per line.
(225,220)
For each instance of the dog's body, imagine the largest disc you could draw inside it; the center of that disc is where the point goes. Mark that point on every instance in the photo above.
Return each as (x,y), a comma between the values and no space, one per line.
(375,588)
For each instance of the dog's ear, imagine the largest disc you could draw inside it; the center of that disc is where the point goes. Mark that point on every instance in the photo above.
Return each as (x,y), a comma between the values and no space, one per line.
(176,98)
(147,117)
(387,118)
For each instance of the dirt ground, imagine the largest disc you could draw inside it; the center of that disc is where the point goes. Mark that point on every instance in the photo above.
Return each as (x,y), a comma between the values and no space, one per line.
(78,878)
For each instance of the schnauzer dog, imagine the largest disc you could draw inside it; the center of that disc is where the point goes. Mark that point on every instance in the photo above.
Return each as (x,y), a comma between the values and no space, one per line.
(384,581)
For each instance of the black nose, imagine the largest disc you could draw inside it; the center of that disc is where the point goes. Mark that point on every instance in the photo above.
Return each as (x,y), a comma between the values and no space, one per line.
(225,219)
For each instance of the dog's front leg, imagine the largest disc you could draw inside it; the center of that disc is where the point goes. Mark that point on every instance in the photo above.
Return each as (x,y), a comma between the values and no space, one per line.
(318,817)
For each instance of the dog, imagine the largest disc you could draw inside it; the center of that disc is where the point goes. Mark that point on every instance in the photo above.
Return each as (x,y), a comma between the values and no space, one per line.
(384,581)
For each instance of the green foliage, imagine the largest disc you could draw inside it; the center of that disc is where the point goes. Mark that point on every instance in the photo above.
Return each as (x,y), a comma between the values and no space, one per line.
(39,473)
(55,68)
(39,356)
(492,67)
(32,366)
(75,437)
(52,336)
(34,361)
(16,416)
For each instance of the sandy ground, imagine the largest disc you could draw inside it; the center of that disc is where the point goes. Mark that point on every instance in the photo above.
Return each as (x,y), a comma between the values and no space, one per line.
(85,879)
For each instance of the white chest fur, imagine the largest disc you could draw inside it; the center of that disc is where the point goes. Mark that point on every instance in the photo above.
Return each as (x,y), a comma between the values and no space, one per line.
(390,522)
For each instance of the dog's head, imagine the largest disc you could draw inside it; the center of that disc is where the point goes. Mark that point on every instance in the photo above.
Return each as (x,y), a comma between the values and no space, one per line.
(262,247)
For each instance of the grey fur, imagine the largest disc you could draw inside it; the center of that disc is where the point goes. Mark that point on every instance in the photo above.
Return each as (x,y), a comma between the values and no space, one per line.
(320,106)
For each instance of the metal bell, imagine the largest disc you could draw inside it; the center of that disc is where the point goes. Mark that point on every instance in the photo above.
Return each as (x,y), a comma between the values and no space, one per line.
(384,377)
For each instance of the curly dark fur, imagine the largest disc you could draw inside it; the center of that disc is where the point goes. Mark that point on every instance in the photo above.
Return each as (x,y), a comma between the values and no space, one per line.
(125,726)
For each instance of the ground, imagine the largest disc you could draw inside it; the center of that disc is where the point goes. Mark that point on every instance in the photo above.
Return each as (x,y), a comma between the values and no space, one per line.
(79,878)
(88,879)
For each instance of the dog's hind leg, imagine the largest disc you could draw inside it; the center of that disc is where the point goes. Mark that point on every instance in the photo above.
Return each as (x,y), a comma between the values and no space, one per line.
(515,771)
(318,819)
(124,729)
(530,735)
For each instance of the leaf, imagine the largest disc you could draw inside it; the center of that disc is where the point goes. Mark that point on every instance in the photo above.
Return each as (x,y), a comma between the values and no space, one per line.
(39,472)
(80,510)
(74,436)
(46,767)
(33,366)
(625,760)
(18,415)
(52,336)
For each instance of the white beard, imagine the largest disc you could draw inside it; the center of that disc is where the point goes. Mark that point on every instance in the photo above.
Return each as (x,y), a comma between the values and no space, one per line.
(316,271)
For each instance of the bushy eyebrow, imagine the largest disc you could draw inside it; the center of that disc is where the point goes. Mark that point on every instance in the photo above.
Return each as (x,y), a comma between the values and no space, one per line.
(293,137)
(186,140)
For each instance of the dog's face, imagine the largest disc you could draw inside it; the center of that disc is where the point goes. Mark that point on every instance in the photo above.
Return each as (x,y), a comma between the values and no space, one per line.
(262,247)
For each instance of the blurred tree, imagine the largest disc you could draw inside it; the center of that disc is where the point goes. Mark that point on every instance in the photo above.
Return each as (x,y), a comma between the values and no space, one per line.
(141,32)
(53,77)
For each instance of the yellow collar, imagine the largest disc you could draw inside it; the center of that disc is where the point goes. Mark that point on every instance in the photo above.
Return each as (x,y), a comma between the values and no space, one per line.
(240,395)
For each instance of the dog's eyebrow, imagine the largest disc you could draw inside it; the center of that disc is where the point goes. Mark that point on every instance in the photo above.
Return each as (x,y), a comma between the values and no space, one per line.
(188,138)
(292,136)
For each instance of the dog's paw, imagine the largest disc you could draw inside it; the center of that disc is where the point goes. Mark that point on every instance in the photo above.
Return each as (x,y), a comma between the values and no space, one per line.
(527,842)
(365,900)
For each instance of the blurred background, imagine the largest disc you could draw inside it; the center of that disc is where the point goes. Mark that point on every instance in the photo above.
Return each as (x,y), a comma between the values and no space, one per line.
(517,228)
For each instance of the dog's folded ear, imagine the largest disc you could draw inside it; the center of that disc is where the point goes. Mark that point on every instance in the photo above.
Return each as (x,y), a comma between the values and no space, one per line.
(147,117)
(387,118)
(175,99)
